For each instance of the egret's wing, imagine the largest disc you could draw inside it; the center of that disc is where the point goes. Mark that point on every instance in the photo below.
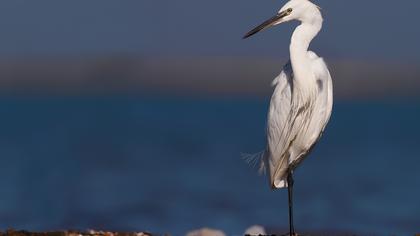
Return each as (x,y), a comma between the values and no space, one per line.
(325,89)
(278,135)
(318,114)
(294,127)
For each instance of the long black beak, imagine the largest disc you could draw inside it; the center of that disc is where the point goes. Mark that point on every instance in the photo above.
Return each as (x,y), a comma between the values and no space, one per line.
(266,24)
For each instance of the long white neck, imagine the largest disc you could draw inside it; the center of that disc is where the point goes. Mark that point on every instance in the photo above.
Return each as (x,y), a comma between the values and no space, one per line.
(301,38)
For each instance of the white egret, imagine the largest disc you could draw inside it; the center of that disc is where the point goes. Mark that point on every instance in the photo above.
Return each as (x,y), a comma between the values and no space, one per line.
(301,104)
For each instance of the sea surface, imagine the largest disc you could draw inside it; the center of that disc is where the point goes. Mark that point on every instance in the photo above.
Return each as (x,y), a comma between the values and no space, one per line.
(172,164)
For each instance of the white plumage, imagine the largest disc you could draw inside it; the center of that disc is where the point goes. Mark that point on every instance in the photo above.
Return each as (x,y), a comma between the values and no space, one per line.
(295,122)
(301,104)
(302,100)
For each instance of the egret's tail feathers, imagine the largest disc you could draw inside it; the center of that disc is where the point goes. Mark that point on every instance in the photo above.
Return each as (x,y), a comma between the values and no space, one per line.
(280,183)
(279,176)
(254,160)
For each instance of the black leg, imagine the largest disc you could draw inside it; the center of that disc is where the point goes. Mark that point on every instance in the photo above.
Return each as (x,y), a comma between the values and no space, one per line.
(290,183)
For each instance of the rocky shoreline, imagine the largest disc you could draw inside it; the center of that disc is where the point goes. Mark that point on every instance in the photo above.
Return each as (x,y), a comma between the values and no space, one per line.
(12,232)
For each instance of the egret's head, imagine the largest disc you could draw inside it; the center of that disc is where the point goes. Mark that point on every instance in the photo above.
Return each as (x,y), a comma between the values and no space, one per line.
(301,10)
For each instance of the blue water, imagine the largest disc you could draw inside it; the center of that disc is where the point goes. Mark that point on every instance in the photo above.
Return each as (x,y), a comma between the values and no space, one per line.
(173,164)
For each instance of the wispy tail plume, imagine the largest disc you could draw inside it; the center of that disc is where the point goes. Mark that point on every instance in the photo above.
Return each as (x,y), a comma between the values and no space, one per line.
(255,160)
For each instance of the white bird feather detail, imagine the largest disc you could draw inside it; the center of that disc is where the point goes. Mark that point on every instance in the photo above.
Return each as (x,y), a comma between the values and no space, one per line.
(290,120)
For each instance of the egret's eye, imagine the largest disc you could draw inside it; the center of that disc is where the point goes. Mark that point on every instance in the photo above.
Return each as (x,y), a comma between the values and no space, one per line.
(289,10)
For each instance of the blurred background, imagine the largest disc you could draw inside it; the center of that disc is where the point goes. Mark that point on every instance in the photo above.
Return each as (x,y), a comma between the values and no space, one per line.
(132,115)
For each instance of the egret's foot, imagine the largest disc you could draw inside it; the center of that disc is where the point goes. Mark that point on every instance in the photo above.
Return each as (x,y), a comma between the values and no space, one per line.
(288,234)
